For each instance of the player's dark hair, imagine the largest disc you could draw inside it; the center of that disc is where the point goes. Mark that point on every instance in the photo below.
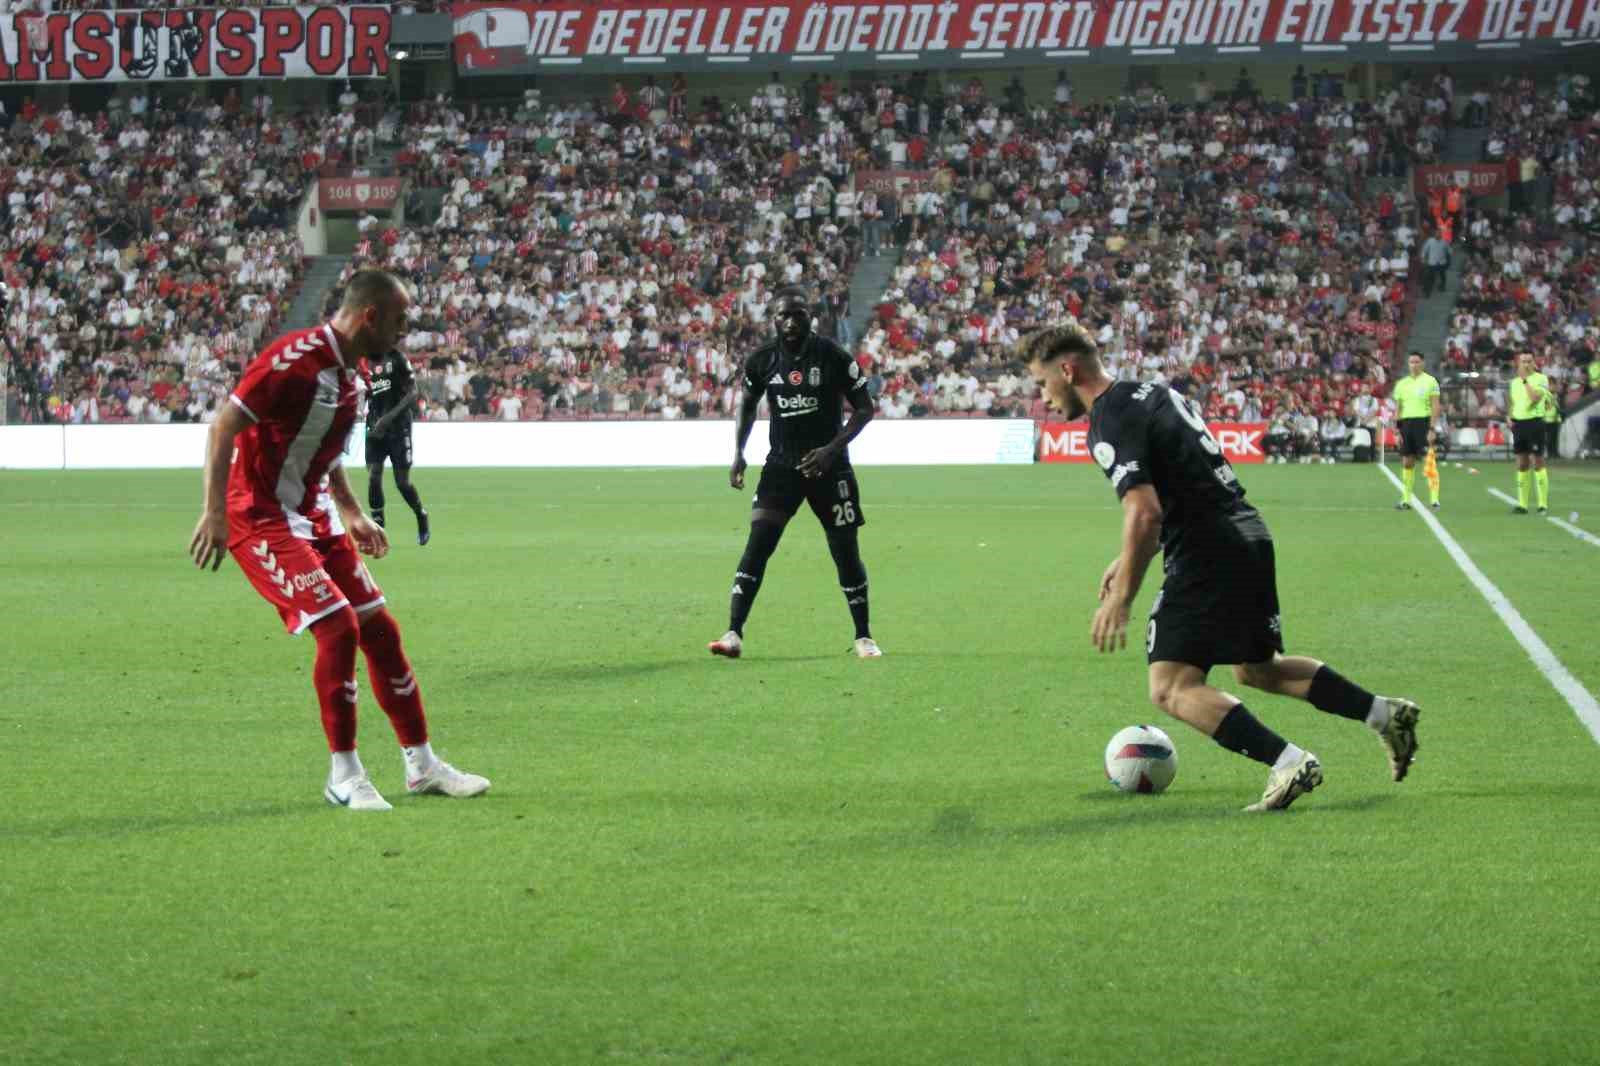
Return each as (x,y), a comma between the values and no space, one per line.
(792,292)
(370,288)
(1066,341)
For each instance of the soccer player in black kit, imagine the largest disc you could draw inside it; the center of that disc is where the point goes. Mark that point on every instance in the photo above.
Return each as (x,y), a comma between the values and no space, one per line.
(1219,601)
(391,403)
(806,380)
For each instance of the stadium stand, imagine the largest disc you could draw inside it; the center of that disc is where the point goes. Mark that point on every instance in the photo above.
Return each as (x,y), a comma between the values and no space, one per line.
(614,258)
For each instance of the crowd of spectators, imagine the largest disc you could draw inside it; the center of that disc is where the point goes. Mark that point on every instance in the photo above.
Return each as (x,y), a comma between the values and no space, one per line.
(615,258)
(145,251)
(1232,249)
(1531,280)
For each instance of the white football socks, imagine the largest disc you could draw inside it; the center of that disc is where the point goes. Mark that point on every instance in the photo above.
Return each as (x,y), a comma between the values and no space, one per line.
(1291,753)
(1378,714)
(419,760)
(346,764)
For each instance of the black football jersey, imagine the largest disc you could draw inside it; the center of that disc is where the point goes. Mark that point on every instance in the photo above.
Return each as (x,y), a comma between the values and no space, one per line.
(391,379)
(1147,434)
(805,394)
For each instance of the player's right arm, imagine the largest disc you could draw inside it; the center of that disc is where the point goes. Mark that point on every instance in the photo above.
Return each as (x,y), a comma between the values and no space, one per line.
(744,422)
(1141,539)
(209,544)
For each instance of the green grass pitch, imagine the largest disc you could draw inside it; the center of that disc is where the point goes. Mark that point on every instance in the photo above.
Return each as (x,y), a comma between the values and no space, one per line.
(797,858)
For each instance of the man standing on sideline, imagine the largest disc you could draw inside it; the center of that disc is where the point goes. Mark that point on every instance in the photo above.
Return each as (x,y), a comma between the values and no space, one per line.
(391,405)
(807,380)
(1219,601)
(278,501)
(1435,262)
(1416,398)
(1530,392)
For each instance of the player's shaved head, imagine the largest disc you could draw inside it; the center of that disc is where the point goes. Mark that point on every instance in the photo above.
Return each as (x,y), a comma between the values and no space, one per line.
(792,296)
(1068,341)
(371,288)
(791,314)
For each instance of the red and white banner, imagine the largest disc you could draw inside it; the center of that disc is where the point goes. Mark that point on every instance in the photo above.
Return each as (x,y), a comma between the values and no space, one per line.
(195,44)
(893,181)
(1479,179)
(1068,442)
(357,194)
(523,35)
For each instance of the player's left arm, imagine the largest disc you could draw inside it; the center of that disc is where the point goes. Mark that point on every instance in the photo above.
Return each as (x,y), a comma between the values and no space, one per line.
(400,407)
(1141,539)
(368,535)
(1437,421)
(817,461)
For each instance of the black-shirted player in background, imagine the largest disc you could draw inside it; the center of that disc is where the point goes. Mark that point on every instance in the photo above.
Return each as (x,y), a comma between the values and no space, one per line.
(806,380)
(391,403)
(1219,601)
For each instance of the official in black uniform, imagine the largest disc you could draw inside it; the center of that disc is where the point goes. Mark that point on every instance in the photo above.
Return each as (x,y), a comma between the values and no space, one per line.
(807,380)
(1219,601)
(391,403)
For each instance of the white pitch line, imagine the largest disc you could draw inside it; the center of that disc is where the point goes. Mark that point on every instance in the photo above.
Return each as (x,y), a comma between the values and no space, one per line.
(1578,698)
(1581,534)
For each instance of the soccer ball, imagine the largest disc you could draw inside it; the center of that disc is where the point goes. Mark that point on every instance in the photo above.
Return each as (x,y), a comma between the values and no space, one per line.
(1141,758)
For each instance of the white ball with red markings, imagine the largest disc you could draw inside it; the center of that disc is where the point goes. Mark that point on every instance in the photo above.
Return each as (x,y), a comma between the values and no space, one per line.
(1141,758)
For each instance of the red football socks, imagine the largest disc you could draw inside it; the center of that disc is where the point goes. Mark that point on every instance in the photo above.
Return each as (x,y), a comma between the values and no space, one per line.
(393,681)
(334,675)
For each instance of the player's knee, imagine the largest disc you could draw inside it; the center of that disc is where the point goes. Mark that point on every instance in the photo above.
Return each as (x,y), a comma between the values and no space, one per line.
(336,628)
(402,478)
(773,520)
(378,627)
(1162,693)
(1256,675)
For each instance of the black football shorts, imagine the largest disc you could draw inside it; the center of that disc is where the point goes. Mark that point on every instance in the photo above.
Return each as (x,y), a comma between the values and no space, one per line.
(835,498)
(1218,608)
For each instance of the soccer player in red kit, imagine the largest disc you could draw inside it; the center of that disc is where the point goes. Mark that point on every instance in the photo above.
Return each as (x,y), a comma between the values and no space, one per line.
(278,501)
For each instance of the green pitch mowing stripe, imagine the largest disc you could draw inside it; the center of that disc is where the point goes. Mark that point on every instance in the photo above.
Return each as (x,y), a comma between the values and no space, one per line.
(796,858)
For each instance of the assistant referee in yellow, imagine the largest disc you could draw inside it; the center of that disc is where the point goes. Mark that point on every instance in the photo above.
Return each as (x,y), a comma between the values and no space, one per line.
(1416,399)
(1531,401)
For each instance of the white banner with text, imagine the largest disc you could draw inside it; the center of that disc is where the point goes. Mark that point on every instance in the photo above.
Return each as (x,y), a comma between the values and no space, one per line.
(936,442)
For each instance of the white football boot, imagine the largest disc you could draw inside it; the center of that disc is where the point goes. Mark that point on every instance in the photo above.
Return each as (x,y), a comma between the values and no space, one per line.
(729,645)
(355,794)
(867,648)
(442,779)
(1289,784)
(1400,736)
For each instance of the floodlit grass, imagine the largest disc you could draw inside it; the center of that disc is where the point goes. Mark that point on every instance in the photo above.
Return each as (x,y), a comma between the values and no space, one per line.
(798,857)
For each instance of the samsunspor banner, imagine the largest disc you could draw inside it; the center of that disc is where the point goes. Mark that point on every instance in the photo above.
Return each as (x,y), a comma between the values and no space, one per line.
(195,44)
(636,35)
(1068,442)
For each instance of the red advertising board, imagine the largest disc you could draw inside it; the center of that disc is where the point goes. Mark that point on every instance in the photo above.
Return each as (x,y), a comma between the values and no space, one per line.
(1068,442)
(357,194)
(1479,179)
(523,35)
(194,44)
(893,181)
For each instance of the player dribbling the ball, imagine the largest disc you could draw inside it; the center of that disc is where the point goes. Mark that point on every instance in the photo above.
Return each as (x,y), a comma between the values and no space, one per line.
(1219,600)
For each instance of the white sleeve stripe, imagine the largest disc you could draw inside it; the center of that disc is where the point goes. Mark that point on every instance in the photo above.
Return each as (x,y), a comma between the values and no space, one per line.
(233,398)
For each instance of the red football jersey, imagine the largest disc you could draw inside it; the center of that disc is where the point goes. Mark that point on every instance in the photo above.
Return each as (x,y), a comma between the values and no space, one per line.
(303,401)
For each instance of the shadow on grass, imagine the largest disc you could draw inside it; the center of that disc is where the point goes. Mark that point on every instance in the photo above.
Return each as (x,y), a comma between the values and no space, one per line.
(1112,811)
(574,673)
(132,824)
